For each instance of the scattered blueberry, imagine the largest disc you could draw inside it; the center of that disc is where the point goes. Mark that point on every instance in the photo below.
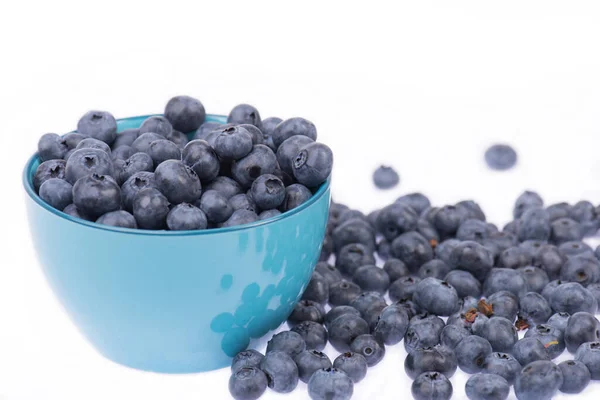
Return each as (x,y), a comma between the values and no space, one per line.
(538,380)
(471,353)
(385,177)
(500,157)
(502,364)
(330,384)
(247,383)
(484,386)
(353,364)
(281,371)
(246,358)
(431,385)
(313,333)
(576,376)
(309,361)
(438,358)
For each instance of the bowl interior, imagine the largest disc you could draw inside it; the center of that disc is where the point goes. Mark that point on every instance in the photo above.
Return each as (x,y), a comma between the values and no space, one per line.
(135,122)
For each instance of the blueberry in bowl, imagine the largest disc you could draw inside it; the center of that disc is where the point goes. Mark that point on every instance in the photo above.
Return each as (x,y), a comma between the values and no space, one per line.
(174,301)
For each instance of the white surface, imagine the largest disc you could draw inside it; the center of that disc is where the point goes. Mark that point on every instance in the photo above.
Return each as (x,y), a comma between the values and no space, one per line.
(423,86)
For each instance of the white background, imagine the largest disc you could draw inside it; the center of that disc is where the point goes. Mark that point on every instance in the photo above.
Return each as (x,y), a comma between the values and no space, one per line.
(424,86)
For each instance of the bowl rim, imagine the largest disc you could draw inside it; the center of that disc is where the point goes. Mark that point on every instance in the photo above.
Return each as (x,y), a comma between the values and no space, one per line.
(28,185)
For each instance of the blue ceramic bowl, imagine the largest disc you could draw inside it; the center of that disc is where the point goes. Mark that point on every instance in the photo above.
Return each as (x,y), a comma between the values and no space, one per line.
(176,302)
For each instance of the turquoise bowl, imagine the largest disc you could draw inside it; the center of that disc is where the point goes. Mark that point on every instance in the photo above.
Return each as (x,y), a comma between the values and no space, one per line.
(176,302)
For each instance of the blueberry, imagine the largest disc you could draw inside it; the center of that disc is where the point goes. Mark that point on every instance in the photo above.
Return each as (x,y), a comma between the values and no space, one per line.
(99,125)
(498,241)
(372,278)
(576,376)
(306,310)
(267,128)
(344,329)
(452,335)
(572,297)
(423,333)
(134,184)
(366,301)
(502,364)
(354,231)
(581,269)
(244,114)
(313,164)
(178,182)
(566,229)
(385,177)
(474,230)
(559,321)
(268,214)
(535,278)
(185,113)
(343,292)
(156,124)
(119,218)
(448,219)
(504,304)
(505,279)
(162,150)
(227,187)
(500,157)
(242,202)
(395,220)
(72,139)
(198,155)
(328,272)
(417,201)
(122,153)
(330,384)
(95,195)
(528,350)
(287,341)
(288,150)
(594,289)
(582,211)
(125,138)
(403,288)
(48,170)
(52,147)
(471,353)
(501,334)
(247,383)
(295,195)
(409,306)
(534,225)
(484,386)
(534,308)
(525,201)
(550,260)
(138,162)
(434,268)
(464,283)
(472,257)
(439,359)
(576,248)
(514,257)
(186,217)
(246,358)
(431,385)
(551,337)
(150,208)
(58,193)
(260,161)
(310,361)
(143,141)
(353,256)
(582,327)
(337,312)
(72,210)
(395,269)
(293,127)
(233,143)
(538,381)
(436,296)
(255,133)
(412,249)
(281,371)
(85,162)
(353,364)
(268,191)
(313,334)
(317,289)
(550,288)
(392,324)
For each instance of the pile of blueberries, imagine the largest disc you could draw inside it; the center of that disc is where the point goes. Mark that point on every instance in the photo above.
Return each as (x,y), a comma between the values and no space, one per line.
(534,275)
(153,178)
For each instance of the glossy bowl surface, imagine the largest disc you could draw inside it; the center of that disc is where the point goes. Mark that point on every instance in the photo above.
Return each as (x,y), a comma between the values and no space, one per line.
(176,302)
